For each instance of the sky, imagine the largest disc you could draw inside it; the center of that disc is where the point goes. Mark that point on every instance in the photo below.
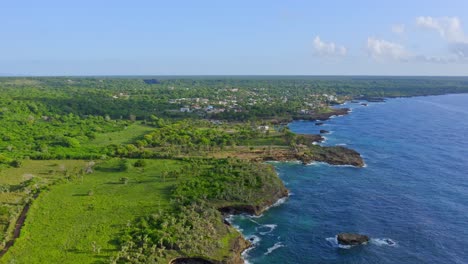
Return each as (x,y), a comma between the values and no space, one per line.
(288,37)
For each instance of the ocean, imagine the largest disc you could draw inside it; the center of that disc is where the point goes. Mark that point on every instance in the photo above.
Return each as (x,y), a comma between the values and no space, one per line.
(411,198)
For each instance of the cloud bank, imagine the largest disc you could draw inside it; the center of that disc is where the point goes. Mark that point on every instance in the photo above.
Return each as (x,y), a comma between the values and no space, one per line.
(380,50)
(328,49)
(450,29)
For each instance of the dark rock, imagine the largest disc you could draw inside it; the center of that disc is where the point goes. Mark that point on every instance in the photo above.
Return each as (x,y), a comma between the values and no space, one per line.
(352,239)
(364,104)
(190,261)
(336,155)
(323,131)
(308,139)
(237,248)
(319,123)
(373,99)
(327,115)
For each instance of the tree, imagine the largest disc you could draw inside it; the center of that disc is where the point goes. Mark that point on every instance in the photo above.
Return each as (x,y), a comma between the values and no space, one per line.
(140,163)
(123,165)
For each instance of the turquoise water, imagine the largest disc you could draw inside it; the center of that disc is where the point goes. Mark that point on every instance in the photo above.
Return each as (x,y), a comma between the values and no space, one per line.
(411,198)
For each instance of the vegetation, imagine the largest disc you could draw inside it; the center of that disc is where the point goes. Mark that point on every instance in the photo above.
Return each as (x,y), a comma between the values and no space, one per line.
(138,170)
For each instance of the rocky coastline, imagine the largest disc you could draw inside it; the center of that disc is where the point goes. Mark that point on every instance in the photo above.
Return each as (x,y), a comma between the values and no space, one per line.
(323,116)
(335,155)
(305,153)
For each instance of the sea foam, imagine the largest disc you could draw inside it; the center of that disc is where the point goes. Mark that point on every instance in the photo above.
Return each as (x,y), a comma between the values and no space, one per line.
(334,242)
(266,229)
(383,242)
(274,247)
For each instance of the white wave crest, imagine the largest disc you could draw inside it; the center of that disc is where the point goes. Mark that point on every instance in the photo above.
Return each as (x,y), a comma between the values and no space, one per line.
(321,163)
(253,221)
(280,201)
(274,247)
(255,216)
(384,242)
(266,229)
(230,220)
(334,242)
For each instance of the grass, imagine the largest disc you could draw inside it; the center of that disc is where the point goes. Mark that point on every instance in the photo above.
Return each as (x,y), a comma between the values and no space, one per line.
(125,136)
(37,168)
(65,222)
(272,140)
(12,201)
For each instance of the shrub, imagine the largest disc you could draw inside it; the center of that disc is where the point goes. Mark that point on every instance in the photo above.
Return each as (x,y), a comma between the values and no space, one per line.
(140,163)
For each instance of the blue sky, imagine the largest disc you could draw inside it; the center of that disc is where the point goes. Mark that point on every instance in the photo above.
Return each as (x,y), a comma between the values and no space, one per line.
(360,37)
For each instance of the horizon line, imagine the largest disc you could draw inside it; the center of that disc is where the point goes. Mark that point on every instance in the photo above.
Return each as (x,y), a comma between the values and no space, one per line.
(215,75)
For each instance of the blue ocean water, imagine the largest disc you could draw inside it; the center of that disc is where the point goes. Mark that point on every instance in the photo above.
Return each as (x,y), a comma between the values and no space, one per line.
(413,191)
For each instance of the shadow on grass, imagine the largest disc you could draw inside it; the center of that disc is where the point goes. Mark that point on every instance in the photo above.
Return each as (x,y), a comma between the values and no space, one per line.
(108,169)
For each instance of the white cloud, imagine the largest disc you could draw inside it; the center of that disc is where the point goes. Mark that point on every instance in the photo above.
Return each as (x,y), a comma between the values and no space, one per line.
(398,29)
(328,48)
(449,28)
(381,50)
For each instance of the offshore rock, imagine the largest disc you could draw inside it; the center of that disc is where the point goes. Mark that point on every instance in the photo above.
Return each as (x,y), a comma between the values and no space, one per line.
(352,239)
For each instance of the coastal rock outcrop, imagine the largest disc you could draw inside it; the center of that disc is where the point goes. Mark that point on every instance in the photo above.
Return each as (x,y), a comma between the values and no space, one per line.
(308,139)
(327,115)
(373,99)
(239,245)
(352,239)
(323,131)
(322,116)
(336,155)
(255,209)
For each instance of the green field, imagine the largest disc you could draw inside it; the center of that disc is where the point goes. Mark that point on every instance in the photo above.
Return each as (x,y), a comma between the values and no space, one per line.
(77,221)
(125,136)
(15,192)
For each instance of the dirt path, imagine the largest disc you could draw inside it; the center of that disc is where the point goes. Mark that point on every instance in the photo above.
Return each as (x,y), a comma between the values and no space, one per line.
(18,226)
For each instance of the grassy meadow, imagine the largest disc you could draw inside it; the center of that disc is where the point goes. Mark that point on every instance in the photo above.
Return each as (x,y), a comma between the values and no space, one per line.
(77,221)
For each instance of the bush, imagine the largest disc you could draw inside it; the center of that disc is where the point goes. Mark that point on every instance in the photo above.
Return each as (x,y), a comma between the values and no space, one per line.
(140,163)
(124,180)
(123,165)
(16,163)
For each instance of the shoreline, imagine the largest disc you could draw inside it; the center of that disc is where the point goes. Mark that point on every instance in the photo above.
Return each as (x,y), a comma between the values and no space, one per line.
(293,161)
(251,244)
